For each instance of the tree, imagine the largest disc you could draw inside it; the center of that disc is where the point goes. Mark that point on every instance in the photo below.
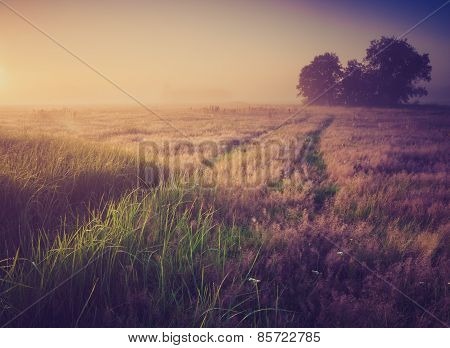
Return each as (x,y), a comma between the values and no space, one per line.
(355,84)
(393,69)
(390,74)
(317,79)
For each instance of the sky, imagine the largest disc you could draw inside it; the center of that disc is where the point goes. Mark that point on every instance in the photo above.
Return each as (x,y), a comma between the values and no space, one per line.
(175,52)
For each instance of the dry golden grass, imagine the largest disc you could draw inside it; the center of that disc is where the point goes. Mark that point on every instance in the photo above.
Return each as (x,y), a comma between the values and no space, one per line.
(339,213)
(392,167)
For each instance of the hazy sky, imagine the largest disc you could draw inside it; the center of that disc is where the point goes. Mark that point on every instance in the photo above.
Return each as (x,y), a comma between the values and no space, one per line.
(198,51)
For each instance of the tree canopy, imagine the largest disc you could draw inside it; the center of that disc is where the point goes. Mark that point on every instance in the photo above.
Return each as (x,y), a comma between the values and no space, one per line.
(318,78)
(389,74)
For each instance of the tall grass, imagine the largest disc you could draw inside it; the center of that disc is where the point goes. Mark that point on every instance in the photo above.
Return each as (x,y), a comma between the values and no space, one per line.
(46,182)
(338,246)
(156,260)
(83,247)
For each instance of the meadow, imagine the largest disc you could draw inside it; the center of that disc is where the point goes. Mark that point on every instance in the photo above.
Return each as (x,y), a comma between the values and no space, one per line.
(230,216)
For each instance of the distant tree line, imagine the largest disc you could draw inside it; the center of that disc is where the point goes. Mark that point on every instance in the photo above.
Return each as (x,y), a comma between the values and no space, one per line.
(389,74)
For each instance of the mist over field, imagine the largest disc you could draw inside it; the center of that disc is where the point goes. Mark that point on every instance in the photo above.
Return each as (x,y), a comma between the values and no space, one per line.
(242,164)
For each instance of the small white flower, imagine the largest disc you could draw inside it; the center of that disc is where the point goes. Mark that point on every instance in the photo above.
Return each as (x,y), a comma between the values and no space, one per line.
(254,281)
(315,272)
(340,253)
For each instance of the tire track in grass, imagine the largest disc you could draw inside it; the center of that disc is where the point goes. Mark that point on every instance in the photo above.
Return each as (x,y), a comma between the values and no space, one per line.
(309,161)
(236,143)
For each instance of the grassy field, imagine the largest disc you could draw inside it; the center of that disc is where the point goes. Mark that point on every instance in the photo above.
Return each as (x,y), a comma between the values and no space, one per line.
(338,218)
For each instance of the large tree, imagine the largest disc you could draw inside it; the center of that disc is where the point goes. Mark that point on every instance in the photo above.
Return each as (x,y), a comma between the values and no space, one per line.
(390,74)
(393,70)
(355,84)
(316,80)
